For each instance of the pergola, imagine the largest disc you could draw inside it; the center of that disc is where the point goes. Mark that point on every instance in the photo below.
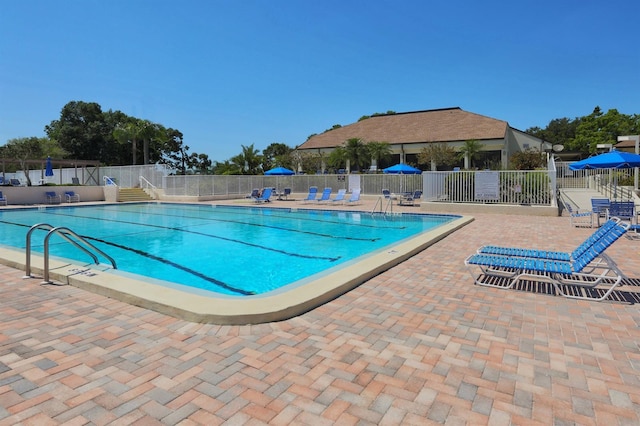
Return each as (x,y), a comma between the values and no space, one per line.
(88,168)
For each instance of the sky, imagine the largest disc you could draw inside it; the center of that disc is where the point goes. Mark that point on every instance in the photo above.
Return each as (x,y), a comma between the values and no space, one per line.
(232,73)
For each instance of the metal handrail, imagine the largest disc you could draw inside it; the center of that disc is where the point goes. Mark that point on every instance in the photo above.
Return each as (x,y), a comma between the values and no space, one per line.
(65,233)
(384,210)
(148,184)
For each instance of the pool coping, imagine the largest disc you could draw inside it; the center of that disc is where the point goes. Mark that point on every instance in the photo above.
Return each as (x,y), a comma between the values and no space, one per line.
(232,310)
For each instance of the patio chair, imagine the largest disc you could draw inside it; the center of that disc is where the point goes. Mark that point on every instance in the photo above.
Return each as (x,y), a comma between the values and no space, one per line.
(410,199)
(590,269)
(3,199)
(625,210)
(15,182)
(354,198)
(326,196)
(339,198)
(255,193)
(313,191)
(578,218)
(552,255)
(52,197)
(71,197)
(264,198)
(75,181)
(599,208)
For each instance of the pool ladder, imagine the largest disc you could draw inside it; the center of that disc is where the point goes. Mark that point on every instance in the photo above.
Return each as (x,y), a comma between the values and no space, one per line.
(383,210)
(67,234)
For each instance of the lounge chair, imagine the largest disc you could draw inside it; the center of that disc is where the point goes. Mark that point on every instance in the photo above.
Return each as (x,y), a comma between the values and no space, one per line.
(590,269)
(578,218)
(355,197)
(3,199)
(15,182)
(75,181)
(410,199)
(264,198)
(339,198)
(625,210)
(551,255)
(255,193)
(313,191)
(71,197)
(52,197)
(326,196)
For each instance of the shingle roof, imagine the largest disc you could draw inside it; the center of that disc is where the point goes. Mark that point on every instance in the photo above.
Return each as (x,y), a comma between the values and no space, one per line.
(439,125)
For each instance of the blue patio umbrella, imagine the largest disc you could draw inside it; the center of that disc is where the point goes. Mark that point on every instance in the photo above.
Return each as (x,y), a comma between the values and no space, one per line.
(48,168)
(609,160)
(402,169)
(282,171)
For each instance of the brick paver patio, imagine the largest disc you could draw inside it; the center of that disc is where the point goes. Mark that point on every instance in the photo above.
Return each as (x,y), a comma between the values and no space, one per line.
(418,344)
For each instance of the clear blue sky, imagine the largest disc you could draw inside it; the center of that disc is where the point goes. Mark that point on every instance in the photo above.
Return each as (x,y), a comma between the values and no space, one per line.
(231,73)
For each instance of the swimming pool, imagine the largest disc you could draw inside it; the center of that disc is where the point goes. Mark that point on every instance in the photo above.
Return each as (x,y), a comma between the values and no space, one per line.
(230,251)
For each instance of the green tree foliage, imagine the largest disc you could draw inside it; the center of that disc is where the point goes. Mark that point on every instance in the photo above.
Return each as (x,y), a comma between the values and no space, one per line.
(379,151)
(337,159)
(357,153)
(583,134)
(114,138)
(81,130)
(470,150)
(249,162)
(441,154)
(277,155)
(529,159)
(32,148)
(176,155)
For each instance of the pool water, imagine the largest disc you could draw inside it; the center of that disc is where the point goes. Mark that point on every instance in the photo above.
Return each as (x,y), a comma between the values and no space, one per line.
(229,250)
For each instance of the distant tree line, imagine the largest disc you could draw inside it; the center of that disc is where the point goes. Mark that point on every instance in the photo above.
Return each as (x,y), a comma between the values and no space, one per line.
(583,134)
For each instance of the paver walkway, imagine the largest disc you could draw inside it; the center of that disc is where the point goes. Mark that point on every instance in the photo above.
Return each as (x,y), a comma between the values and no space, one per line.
(418,344)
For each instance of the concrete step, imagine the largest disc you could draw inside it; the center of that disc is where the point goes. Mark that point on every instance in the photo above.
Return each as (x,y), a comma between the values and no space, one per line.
(133,194)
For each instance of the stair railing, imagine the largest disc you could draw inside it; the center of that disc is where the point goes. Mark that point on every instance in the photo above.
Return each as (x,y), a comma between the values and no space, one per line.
(69,235)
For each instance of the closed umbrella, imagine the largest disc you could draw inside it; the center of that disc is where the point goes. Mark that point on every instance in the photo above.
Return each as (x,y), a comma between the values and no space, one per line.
(48,168)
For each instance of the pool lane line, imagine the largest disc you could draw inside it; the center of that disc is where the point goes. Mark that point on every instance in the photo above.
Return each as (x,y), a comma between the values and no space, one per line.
(148,255)
(303,256)
(316,234)
(360,225)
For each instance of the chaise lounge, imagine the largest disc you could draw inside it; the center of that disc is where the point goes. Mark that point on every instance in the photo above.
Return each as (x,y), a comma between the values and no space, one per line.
(587,270)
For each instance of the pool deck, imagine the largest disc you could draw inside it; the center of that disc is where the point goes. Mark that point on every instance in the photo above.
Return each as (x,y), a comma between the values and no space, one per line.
(417,344)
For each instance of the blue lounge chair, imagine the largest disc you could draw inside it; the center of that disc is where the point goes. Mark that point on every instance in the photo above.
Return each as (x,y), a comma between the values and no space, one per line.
(551,255)
(339,196)
(71,197)
(354,198)
(326,196)
(264,198)
(52,197)
(590,269)
(313,192)
(3,199)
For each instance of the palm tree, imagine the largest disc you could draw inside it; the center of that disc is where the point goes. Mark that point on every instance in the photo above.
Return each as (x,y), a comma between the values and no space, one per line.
(249,161)
(469,151)
(379,151)
(356,152)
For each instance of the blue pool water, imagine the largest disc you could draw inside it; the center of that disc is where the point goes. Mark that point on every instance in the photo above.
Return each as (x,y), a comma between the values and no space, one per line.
(230,250)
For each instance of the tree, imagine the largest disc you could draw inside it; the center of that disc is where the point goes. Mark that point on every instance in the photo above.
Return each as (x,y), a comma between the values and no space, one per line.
(379,151)
(248,162)
(276,154)
(598,128)
(81,130)
(356,153)
(338,158)
(529,159)
(439,154)
(469,151)
(32,148)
